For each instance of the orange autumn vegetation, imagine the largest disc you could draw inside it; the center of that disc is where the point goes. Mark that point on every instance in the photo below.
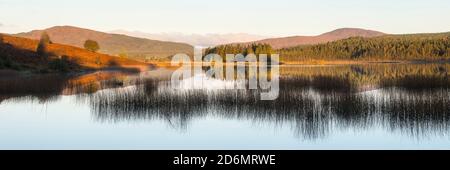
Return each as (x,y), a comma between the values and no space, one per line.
(23,50)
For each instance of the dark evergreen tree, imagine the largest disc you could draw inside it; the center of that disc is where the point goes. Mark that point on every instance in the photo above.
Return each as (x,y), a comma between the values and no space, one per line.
(43,44)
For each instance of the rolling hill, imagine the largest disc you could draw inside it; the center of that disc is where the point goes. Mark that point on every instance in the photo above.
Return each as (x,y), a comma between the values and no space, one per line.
(339,34)
(203,40)
(21,53)
(112,44)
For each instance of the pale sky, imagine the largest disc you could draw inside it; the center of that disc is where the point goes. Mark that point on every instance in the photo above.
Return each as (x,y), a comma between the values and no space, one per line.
(264,17)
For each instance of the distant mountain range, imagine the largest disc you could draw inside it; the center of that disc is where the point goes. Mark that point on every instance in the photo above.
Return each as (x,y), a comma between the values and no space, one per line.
(206,40)
(113,44)
(210,40)
(163,46)
(339,34)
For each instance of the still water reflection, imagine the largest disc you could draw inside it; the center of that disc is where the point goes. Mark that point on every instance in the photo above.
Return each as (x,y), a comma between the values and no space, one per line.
(377,106)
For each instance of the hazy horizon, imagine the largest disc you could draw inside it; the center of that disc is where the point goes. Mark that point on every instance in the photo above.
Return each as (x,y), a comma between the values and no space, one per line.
(283,18)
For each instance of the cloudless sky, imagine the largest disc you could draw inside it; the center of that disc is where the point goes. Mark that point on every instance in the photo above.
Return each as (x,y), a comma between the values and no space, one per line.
(265,17)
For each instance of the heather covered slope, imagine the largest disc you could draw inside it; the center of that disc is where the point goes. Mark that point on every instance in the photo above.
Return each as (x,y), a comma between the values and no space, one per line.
(113,44)
(20,53)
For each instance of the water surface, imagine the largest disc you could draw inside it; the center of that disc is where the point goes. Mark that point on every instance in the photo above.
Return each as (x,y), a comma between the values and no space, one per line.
(377,106)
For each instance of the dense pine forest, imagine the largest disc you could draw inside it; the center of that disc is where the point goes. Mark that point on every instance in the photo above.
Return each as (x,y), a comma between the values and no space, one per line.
(257,49)
(389,47)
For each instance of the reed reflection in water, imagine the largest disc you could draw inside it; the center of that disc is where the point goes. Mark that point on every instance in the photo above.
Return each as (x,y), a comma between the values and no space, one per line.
(311,112)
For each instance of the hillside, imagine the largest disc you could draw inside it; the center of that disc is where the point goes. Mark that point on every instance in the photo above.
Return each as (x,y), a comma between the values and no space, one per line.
(113,44)
(285,42)
(20,53)
(203,40)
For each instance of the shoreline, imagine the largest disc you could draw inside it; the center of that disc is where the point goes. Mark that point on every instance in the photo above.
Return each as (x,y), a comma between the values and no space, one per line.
(125,68)
(322,62)
(164,64)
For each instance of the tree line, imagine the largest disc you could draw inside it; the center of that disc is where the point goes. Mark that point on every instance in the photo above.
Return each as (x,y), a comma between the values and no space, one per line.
(256,49)
(391,47)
